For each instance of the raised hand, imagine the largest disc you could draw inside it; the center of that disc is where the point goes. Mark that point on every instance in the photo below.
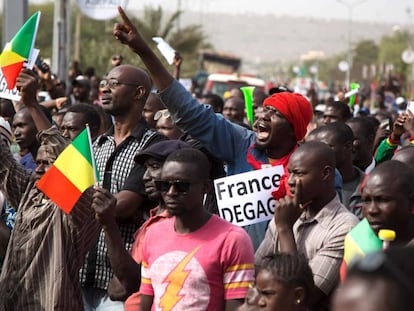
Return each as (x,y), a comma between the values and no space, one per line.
(45,73)
(28,85)
(289,208)
(127,33)
(398,126)
(409,122)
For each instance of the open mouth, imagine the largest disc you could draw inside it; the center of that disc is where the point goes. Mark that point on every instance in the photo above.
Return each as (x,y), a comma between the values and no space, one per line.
(263,132)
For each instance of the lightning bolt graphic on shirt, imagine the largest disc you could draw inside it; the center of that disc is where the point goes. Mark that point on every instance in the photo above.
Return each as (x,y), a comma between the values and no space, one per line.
(175,280)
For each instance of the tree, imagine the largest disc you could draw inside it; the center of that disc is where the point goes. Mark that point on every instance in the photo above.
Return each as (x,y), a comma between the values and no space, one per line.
(365,54)
(187,40)
(391,48)
(97,43)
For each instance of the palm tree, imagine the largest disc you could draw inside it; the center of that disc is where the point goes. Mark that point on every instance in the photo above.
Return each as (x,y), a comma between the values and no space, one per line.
(187,40)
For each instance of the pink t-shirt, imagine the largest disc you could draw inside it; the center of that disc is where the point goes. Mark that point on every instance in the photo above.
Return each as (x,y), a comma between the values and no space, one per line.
(132,303)
(199,270)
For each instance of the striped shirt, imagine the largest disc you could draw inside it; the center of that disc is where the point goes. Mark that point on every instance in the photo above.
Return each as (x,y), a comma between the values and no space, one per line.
(320,239)
(114,164)
(46,247)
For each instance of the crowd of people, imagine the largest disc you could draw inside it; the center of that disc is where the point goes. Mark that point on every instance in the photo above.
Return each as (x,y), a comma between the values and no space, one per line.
(149,235)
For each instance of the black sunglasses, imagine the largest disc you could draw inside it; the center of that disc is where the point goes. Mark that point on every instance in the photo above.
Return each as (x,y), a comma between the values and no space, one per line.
(179,185)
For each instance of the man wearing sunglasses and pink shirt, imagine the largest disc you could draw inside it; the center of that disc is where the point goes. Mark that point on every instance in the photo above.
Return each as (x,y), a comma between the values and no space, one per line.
(193,260)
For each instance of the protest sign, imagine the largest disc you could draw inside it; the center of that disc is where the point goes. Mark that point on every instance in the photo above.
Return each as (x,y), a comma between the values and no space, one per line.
(246,199)
(166,50)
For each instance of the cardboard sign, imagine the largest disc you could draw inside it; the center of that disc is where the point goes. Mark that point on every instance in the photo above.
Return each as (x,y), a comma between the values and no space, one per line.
(246,199)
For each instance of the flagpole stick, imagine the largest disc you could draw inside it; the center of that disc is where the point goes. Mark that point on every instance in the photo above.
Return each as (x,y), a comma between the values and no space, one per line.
(93,157)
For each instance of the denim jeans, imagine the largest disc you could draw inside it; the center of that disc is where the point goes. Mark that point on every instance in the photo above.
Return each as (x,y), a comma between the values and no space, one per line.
(95,299)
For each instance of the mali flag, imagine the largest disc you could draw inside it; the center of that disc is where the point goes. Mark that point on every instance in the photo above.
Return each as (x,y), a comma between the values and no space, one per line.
(360,241)
(71,174)
(18,50)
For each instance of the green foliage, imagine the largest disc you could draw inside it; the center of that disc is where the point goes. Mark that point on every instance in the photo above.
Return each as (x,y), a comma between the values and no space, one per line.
(45,32)
(391,48)
(97,43)
(186,40)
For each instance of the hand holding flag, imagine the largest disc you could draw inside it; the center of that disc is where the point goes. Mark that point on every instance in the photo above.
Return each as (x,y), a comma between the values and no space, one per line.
(71,174)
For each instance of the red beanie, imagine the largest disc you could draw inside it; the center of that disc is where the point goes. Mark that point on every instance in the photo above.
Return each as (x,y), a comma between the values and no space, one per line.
(295,108)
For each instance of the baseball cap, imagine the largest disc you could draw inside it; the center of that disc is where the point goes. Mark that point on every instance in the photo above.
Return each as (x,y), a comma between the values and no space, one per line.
(81,81)
(160,150)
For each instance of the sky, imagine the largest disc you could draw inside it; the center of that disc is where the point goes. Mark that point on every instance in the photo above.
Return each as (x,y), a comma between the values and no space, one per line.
(388,11)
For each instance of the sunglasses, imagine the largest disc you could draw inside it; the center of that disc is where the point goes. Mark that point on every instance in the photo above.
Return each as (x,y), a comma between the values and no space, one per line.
(179,185)
(161,114)
(378,263)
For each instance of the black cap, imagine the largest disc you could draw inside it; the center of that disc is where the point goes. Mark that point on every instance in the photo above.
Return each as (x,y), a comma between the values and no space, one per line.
(160,150)
(81,81)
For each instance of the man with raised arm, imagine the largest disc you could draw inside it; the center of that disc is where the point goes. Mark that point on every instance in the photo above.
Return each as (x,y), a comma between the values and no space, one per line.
(278,131)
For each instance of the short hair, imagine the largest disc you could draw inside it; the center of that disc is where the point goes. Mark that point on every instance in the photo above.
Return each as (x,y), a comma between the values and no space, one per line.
(290,269)
(319,150)
(367,126)
(342,132)
(90,114)
(399,173)
(341,107)
(215,101)
(192,156)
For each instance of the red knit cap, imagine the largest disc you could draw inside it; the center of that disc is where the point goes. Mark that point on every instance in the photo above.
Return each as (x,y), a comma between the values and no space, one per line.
(295,108)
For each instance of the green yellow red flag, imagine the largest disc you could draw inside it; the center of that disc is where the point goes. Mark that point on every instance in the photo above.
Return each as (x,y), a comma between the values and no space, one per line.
(360,241)
(71,174)
(18,50)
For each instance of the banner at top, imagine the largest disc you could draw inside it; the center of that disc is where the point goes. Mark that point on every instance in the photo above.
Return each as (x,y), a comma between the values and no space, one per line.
(101,9)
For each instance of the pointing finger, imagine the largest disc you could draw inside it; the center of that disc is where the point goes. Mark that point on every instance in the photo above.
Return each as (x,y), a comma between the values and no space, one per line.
(124,17)
(297,200)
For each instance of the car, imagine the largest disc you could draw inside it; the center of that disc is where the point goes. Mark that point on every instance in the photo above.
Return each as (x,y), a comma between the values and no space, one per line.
(220,83)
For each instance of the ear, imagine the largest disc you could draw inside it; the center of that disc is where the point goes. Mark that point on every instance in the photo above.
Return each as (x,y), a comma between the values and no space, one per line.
(327,171)
(354,149)
(300,295)
(140,92)
(207,186)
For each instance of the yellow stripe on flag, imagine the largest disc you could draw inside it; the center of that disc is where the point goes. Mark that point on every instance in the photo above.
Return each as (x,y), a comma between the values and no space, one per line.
(10,57)
(351,249)
(75,167)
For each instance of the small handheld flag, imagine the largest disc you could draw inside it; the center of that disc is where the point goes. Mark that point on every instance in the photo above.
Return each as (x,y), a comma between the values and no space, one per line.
(71,174)
(248,100)
(18,50)
(353,94)
(360,241)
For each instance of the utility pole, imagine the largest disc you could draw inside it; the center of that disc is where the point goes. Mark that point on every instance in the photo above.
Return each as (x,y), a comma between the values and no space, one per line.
(61,39)
(350,7)
(17,11)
